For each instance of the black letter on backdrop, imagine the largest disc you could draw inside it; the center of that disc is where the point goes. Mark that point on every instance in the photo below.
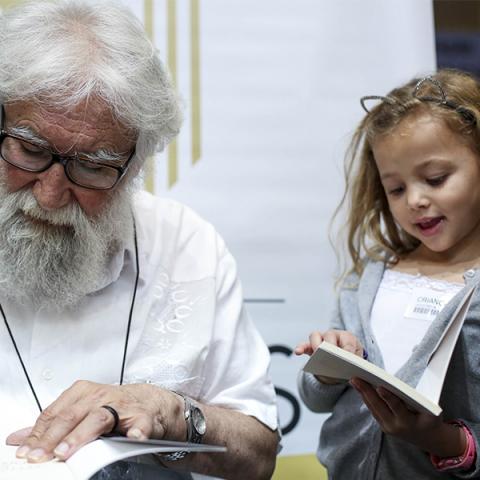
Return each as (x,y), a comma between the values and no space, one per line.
(285,394)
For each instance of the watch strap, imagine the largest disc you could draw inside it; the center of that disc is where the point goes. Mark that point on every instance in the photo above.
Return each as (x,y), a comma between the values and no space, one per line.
(193,436)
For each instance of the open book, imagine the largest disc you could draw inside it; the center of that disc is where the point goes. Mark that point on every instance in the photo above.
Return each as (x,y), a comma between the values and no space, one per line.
(331,361)
(89,459)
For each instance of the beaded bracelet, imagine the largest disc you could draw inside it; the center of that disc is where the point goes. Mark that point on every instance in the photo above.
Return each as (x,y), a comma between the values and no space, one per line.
(464,461)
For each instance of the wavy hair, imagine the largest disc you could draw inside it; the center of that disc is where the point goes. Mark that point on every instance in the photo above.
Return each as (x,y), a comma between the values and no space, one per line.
(58,54)
(370,227)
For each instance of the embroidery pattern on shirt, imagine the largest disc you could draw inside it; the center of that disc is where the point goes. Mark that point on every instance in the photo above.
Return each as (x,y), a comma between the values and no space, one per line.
(168,347)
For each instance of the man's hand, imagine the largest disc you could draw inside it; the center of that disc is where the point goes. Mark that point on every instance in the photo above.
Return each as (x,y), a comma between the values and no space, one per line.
(77,417)
(148,411)
(340,338)
(431,434)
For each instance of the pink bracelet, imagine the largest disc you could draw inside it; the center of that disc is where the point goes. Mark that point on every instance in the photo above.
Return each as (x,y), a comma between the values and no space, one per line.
(464,461)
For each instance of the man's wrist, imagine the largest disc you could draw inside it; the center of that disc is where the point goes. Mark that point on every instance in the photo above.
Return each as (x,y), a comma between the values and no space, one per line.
(178,431)
(195,425)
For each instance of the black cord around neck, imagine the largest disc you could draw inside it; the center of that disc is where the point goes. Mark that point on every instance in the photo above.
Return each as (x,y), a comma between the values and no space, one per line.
(127,336)
(129,324)
(20,358)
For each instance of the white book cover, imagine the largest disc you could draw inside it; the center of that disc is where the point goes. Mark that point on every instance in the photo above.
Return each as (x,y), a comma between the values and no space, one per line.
(332,361)
(89,459)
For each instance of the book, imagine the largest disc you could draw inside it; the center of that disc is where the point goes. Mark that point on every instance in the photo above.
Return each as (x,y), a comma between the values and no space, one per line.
(332,361)
(89,459)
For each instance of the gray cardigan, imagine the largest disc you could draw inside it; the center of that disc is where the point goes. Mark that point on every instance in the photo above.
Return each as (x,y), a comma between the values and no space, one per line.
(352,446)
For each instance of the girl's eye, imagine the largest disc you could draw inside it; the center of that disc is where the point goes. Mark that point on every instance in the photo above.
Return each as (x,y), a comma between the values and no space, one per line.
(436,181)
(396,191)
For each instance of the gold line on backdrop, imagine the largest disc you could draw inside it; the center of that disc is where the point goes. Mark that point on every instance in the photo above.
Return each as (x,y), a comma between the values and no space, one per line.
(150,162)
(172,65)
(8,3)
(195,66)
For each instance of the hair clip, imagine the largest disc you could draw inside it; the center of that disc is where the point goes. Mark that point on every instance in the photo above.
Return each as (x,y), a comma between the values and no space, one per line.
(388,100)
(466,113)
(436,83)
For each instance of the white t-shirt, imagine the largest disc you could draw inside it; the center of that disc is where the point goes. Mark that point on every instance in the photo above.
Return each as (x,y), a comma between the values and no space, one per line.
(404,308)
(189,332)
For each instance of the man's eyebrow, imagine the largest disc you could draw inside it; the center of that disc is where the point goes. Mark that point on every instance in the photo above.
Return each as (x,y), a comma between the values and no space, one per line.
(105,156)
(102,155)
(29,135)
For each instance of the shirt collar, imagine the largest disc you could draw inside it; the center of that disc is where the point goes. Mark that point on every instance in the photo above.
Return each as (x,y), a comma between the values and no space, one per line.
(123,258)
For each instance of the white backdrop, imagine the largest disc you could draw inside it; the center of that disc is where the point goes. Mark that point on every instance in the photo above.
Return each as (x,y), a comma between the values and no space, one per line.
(280,82)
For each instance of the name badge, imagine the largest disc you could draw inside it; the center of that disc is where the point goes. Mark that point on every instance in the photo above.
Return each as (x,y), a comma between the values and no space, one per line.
(425,304)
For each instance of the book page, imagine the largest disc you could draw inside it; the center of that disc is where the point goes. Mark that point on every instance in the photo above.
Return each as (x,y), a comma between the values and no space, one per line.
(331,361)
(105,451)
(12,468)
(89,459)
(431,381)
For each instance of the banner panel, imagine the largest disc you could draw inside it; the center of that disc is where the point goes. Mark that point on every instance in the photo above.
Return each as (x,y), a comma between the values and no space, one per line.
(278,90)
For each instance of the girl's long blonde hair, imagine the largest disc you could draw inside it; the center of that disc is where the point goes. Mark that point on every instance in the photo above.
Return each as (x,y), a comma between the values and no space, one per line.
(451,96)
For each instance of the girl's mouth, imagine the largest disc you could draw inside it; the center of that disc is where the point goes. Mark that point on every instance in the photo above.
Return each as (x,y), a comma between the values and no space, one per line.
(430,226)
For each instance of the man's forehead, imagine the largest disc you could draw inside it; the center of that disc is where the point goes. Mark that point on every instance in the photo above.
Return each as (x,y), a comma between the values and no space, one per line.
(90,125)
(93,112)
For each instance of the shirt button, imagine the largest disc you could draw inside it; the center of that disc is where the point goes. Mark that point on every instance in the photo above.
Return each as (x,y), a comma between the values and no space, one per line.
(470,273)
(47,374)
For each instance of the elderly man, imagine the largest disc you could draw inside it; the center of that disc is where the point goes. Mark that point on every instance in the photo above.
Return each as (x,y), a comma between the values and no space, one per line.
(120,311)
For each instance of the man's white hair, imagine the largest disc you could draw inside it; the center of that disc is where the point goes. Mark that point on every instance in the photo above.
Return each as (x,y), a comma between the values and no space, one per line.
(60,53)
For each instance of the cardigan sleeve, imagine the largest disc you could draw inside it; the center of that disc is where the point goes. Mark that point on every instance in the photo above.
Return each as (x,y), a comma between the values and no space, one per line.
(317,396)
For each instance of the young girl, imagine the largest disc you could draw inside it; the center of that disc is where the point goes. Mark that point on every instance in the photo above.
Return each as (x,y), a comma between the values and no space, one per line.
(413,185)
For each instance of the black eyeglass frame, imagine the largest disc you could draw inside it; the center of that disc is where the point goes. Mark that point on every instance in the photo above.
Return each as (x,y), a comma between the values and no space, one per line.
(62,159)
(442,100)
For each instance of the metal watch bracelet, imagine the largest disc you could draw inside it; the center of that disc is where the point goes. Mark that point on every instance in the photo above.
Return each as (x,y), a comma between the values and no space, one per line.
(196,427)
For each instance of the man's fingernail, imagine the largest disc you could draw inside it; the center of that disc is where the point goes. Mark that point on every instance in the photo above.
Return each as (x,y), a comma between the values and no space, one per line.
(61,449)
(22,451)
(36,455)
(136,433)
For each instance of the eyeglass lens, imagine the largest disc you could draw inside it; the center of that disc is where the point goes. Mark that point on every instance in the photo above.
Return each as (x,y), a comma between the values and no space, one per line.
(33,158)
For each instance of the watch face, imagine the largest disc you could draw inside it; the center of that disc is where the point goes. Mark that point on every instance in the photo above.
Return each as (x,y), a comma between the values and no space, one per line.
(199,421)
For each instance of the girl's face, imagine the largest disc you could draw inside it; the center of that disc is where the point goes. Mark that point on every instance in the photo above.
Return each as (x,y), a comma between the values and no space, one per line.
(431,177)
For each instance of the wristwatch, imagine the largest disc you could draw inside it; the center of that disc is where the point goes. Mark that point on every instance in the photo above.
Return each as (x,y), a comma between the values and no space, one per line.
(196,426)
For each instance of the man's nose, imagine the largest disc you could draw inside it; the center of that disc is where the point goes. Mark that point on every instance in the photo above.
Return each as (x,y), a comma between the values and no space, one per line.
(52,189)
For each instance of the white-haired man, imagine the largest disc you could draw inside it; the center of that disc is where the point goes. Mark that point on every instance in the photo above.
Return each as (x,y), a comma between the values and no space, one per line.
(111,300)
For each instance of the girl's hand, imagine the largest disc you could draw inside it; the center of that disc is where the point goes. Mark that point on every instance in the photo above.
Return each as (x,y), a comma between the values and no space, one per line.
(431,434)
(340,338)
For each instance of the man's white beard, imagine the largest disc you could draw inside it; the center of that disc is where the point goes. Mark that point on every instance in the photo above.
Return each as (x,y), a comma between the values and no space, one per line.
(53,259)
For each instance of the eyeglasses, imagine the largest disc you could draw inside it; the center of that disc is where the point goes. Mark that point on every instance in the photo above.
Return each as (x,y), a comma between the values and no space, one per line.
(439,97)
(79,169)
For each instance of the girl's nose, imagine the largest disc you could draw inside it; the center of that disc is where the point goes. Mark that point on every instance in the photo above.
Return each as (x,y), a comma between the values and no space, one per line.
(52,188)
(416,199)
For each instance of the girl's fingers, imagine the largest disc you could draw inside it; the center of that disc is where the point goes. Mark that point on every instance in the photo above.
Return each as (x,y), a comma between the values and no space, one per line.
(395,404)
(349,342)
(379,408)
(303,348)
(332,336)
(316,338)
(339,338)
